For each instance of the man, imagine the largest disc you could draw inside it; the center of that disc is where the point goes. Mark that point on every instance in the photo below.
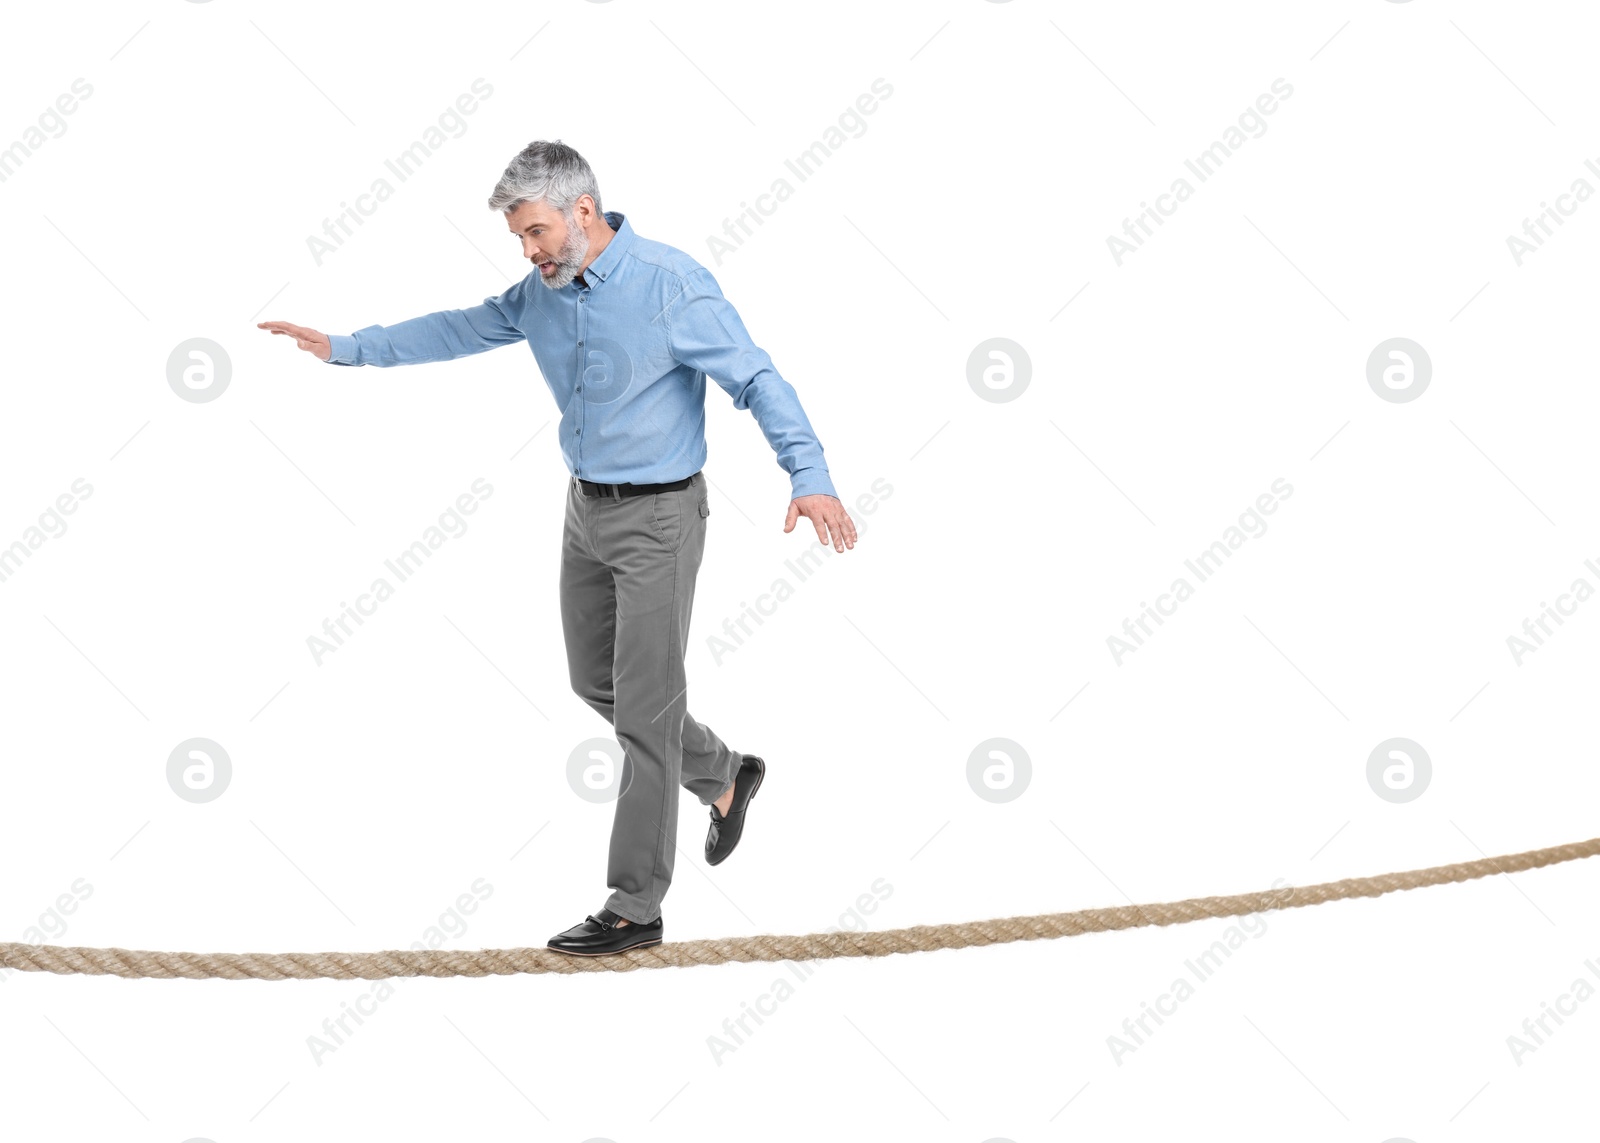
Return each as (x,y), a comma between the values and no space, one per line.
(625,331)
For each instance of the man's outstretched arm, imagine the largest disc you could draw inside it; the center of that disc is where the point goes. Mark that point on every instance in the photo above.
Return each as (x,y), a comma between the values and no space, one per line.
(706,333)
(441,336)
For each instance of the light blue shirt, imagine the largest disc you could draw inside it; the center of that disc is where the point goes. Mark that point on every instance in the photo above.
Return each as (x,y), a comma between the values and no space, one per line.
(626,357)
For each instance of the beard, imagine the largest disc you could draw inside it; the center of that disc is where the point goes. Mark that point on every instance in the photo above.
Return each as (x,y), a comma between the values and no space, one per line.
(569,259)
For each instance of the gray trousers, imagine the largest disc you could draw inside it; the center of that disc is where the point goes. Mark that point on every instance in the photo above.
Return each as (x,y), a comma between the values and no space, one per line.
(628,568)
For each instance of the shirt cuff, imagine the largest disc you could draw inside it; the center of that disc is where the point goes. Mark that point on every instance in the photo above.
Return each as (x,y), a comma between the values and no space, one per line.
(811,482)
(344,350)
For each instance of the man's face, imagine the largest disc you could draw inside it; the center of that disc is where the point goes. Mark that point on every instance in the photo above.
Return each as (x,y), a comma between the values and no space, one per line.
(555,244)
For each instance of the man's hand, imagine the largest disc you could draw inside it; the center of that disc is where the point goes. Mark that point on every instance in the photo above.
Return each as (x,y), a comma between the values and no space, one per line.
(309,340)
(826,515)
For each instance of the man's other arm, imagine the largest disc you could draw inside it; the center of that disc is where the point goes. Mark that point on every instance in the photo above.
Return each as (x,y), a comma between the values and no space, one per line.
(705,333)
(441,336)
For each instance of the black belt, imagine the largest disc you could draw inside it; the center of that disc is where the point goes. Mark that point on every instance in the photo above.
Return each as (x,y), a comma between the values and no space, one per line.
(617,491)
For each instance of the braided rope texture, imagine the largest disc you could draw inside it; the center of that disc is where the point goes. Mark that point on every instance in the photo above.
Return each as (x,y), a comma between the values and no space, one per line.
(135,964)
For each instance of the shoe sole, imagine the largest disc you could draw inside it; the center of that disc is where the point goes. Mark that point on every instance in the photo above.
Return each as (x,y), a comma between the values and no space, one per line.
(761,775)
(614,952)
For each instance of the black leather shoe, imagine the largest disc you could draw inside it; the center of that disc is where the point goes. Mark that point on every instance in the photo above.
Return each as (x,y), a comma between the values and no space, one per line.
(600,935)
(724,832)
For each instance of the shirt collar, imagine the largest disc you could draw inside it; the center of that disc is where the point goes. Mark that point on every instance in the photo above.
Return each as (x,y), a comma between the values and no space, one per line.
(602,266)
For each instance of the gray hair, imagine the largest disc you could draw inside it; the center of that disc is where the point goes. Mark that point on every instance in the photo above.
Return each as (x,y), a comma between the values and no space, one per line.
(546,171)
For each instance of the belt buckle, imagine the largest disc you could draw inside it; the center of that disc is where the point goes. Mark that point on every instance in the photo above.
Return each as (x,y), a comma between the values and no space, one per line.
(600,488)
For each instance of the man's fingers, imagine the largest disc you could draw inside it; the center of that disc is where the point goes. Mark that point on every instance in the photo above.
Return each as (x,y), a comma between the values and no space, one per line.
(832,522)
(295,331)
(305,338)
(843,528)
(843,532)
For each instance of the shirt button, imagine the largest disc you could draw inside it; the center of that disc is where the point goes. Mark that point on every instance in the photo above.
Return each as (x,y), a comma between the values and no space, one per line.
(580,388)
(580,345)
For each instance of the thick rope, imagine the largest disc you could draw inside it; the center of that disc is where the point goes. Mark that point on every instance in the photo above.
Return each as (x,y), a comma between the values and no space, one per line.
(920,938)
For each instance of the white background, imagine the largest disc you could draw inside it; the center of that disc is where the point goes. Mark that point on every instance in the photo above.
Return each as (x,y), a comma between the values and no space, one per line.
(1228,752)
